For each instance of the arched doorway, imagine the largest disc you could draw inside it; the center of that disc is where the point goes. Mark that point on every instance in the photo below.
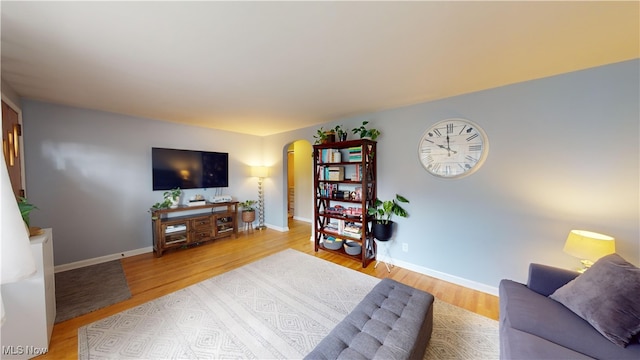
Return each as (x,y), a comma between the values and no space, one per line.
(299,181)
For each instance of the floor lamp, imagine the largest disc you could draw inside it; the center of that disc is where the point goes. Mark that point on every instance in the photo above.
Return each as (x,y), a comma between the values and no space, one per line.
(260,172)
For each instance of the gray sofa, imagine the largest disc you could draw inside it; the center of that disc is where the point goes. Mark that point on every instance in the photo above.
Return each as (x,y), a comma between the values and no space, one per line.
(534,326)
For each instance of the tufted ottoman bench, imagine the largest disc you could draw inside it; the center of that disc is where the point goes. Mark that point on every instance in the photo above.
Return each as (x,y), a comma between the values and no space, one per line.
(393,321)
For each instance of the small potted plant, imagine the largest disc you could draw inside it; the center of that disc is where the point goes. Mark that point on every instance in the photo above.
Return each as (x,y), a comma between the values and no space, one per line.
(25,209)
(341,133)
(366,133)
(248,211)
(382,227)
(323,136)
(171,199)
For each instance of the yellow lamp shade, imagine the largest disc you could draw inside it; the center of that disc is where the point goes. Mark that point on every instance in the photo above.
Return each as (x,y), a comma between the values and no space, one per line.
(587,245)
(260,171)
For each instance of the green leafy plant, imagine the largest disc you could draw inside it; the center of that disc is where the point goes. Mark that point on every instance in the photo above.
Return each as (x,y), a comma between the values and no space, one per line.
(323,136)
(25,209)
(364,132)
(383,210)
(340,133)
(170,197)
(247,205)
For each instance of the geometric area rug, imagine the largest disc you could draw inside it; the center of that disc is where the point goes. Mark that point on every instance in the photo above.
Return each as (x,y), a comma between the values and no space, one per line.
(278,307)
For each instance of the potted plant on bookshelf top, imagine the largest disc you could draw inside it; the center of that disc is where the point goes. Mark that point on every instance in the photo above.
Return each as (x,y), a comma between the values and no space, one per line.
(323,136)
(366,133)
(382,227)
(248,211)
(341,133)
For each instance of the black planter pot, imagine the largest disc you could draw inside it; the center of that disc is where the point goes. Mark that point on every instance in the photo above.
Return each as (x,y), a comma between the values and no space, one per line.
(382,232)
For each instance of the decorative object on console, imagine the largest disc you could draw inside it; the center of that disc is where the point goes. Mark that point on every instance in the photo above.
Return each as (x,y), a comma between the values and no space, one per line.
(365,133)
(453,148)
(260,172)
(17,258)
(171,199)
(588,246)
(197,200)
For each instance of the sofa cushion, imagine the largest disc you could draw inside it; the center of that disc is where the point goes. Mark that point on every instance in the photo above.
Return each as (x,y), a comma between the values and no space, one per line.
(527,311)
(606,296)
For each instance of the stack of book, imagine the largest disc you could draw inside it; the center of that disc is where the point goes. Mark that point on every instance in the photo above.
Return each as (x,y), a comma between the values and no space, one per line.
(355,154)
(332,227)
(330,156)
(352,229)
(327,190)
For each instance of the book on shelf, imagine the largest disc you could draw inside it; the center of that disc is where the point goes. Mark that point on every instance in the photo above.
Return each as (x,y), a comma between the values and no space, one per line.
(353,228)
(327,190)
(330,156)
(332,227)
(355,154)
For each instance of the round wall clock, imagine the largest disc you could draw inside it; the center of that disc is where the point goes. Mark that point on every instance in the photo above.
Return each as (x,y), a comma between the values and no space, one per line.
(453,148)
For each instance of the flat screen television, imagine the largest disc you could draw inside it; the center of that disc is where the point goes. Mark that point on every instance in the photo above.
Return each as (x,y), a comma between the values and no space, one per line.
(189,169)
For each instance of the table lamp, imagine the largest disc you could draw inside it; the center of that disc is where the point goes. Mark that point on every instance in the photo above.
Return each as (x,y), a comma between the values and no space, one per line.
(588,246)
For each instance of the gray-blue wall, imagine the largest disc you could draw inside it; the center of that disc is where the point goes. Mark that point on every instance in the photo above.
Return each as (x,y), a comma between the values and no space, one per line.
(564,154)
(89,173)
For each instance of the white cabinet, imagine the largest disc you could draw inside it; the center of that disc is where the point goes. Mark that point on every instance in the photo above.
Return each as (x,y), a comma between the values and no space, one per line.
(30,305)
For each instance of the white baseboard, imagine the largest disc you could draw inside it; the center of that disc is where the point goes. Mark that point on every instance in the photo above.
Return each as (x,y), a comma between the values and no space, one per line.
(442,276)
(303,219)
(409,266)
(101,259)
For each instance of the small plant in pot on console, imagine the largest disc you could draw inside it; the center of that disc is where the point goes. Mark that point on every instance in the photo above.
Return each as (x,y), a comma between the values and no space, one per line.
(248,211)
(171,199)
(382,227)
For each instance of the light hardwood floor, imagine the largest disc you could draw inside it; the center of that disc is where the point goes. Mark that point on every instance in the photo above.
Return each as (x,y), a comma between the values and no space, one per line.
(150,277)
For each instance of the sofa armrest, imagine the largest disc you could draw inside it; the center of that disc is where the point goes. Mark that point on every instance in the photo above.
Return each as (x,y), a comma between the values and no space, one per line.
(545,279)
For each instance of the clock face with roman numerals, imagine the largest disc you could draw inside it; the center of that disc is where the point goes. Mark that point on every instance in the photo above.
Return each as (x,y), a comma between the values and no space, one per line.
(453,148)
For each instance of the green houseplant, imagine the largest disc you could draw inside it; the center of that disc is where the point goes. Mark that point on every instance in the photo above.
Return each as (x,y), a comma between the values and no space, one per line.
(382,227)
(366,133)
(171,199)
(248,211)
(340,133)
(323,136)
(25,209)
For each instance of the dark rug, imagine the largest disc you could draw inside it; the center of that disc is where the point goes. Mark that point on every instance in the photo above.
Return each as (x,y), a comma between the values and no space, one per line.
(81,291)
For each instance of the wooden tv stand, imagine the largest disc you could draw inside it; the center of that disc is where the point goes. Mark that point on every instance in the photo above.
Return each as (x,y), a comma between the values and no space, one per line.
(198,226)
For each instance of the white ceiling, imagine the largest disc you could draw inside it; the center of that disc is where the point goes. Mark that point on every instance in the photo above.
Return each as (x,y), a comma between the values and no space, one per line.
(268,67)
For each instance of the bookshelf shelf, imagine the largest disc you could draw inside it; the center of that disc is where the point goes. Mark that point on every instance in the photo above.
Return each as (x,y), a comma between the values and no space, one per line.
(345,186)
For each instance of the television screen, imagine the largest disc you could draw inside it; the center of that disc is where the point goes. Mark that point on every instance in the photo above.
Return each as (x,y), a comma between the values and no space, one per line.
(189,169)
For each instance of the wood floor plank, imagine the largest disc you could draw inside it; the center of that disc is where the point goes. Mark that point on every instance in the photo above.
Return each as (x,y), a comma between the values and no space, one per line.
(150,277)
